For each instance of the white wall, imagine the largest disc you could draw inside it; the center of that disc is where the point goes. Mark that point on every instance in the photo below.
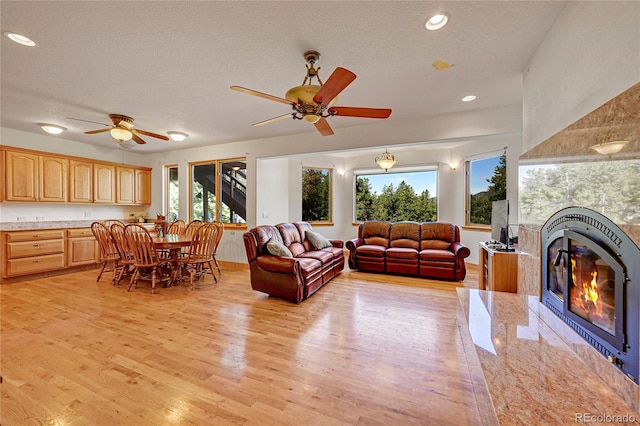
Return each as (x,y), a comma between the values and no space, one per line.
(590,55)
(274,187)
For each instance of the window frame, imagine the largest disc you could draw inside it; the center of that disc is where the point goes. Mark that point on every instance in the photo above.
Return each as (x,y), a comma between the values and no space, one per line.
(167,190)
(467,187)
(218,196)
(328,222)
(403,169)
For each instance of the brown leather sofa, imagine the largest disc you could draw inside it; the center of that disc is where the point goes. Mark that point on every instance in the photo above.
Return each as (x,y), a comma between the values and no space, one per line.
(291,278)
(428,249)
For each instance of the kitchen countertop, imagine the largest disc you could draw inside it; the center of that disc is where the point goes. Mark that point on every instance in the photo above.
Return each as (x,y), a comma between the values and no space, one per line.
(61,224)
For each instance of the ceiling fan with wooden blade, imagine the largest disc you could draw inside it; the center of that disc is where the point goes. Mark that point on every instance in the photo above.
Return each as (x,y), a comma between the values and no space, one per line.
(314,103)
(122,130)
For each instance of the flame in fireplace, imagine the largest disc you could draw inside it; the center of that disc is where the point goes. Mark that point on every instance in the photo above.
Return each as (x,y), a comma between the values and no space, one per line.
(588,298)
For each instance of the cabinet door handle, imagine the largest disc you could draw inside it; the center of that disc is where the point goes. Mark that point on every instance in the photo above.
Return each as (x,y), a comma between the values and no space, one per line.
(37,245)
(37,260)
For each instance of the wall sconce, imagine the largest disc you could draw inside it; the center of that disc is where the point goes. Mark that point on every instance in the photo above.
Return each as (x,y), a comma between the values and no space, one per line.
(340,172)
(608,148)
(453,165)
(386,161)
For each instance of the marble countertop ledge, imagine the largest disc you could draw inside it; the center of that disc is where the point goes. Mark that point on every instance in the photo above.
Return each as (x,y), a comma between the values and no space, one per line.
(531,374)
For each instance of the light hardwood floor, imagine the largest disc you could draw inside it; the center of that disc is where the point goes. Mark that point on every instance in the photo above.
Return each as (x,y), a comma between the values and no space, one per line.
(366,349)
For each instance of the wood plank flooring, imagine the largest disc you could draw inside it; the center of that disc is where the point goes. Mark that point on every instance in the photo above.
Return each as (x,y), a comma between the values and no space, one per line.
(366,349)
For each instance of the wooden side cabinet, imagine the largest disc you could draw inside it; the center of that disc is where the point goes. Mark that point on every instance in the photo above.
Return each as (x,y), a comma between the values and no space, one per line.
(498,270)
(82,247)
(30,252)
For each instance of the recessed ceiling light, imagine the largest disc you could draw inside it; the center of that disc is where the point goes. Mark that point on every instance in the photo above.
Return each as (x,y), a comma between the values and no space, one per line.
(20,39)
(52,129)
(469,98)
(177,136)
(436,22)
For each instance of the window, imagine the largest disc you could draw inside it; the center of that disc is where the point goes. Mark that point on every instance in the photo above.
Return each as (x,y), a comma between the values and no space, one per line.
(486,182)
(172,193)
(409,195)
(316,195)
(219,191)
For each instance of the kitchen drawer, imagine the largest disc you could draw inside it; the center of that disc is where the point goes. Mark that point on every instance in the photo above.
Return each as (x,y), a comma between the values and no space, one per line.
(32,265)
(34,248)
(79,232)
(36,235)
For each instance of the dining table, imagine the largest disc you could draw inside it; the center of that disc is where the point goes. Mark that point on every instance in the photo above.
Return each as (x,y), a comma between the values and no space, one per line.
(174,243)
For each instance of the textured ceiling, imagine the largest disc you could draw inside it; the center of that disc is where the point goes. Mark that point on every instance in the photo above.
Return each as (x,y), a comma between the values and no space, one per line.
(169,64)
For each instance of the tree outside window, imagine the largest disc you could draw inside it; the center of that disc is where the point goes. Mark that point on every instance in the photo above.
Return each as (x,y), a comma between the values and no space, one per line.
(172,193)
(486,182)
(316,195)
(397,197)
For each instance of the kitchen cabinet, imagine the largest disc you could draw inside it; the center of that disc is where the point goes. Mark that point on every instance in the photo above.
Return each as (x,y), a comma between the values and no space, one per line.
(81,181)
(33,177)
(143,186)
(29,252)
(104,178)
(125,178)
(82,247)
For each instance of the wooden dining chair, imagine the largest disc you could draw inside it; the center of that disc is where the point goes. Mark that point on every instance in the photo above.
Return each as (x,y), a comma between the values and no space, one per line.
(220,227)
(146,260)
(192,227)
(177,227)
(109,255)
(126,255)
(201,250)
(109,222)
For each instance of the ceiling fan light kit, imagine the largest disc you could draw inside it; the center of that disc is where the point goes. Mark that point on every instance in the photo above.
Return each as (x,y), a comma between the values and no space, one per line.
(120,134)
(122,130)
(386,161)
(313,103)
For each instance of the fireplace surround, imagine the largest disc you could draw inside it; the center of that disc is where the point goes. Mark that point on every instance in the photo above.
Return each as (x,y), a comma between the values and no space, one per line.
(591,280)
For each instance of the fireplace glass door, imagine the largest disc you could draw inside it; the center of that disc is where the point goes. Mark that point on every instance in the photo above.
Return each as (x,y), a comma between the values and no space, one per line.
(594,295)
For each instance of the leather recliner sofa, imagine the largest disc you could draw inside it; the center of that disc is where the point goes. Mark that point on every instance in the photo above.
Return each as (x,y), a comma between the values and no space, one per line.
(292,278)
(427,249)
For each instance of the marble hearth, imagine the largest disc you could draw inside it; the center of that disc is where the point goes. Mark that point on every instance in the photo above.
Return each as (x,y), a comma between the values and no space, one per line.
(565,171)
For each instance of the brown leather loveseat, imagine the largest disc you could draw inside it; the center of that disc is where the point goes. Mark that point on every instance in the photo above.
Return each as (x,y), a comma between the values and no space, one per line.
(301,269)
(427,249)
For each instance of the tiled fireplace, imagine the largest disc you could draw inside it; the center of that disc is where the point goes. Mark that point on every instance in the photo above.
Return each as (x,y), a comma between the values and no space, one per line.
(565,172)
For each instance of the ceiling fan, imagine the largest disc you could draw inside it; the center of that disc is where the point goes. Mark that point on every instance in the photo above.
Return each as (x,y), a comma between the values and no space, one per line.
(122,130)
(314,103)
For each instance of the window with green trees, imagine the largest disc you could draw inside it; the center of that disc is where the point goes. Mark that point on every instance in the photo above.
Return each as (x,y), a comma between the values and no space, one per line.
(172,193)
(486,182)
(609,187)
(316,195)
(396,197)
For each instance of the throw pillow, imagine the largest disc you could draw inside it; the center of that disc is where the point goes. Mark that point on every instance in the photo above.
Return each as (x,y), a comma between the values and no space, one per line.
(276,248)
(317,241)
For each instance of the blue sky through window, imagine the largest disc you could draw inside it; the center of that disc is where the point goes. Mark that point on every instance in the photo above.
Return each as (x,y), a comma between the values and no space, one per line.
(419,181)
(481,170)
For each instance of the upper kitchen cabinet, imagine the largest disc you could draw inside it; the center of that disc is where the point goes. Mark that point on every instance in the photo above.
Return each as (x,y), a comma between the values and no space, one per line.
(33,177)
(81,180)
(143,186)
(104,187)
(126,190)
